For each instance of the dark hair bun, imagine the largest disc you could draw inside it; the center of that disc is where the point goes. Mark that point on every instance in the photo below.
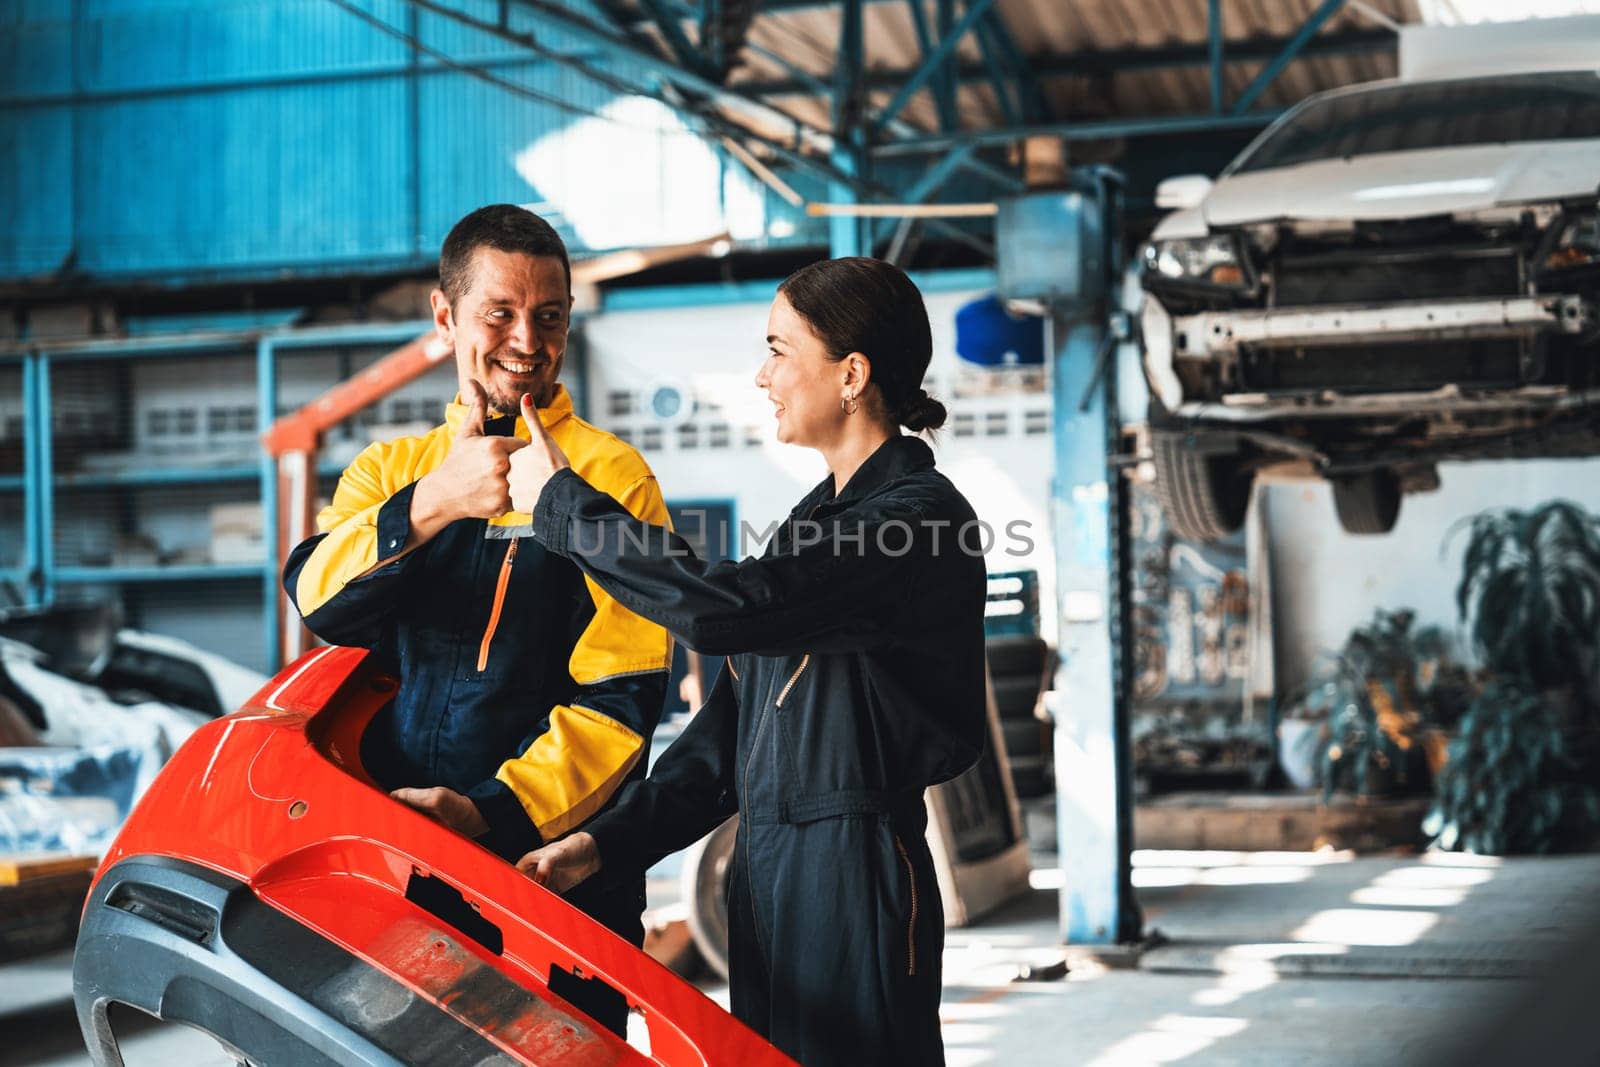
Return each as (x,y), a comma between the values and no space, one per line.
(921,412)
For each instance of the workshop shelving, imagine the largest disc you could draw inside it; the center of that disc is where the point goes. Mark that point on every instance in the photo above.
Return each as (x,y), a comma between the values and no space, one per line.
(114,438)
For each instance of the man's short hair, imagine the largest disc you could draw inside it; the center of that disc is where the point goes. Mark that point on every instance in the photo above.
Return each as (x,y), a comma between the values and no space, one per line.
(503,227)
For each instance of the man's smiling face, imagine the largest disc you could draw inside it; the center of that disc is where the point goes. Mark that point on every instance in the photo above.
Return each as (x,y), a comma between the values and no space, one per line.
(509,329)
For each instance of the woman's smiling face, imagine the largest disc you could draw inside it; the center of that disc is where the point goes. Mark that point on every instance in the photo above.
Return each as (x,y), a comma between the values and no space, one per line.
(804,385)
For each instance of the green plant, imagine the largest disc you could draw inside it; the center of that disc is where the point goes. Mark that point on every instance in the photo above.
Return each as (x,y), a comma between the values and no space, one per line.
(1530,595)
(1515,781)
(1521,774)
(1375,695)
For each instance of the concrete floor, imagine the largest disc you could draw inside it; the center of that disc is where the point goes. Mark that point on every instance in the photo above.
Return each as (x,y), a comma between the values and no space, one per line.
(1273,958)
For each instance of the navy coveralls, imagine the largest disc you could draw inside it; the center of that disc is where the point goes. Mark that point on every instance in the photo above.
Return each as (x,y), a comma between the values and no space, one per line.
(520,686)
(854,680)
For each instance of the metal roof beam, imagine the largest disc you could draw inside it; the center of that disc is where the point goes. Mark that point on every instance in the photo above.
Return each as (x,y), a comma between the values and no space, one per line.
(937,174)
(945,86)
(612,42)
(768,7)
(990,49)
(1214,51)
(1302,37)
(803,135)
(945,103)
(933,63)
(1078,131)
(1030,97)
(678,43)
(1123,60)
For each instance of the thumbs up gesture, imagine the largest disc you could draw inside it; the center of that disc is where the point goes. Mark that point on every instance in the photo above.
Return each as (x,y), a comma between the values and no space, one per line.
(471,482)
(477,402)
(532,467)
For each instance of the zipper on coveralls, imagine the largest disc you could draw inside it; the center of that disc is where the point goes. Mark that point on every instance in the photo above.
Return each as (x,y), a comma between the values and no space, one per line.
(911,926)
(755,743)
(805,660)
(499,602)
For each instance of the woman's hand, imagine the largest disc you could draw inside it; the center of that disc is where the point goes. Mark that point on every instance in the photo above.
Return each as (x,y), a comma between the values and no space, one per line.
(532,466)
(562,864)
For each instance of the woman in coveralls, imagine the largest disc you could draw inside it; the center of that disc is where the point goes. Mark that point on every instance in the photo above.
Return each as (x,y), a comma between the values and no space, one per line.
(854,680)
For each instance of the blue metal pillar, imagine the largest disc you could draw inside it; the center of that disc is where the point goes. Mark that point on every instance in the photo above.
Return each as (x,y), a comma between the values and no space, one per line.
(44,481)
(266,414)
(847,235)
(1214,52)
(32,525)
(1093,793)
(1071,242)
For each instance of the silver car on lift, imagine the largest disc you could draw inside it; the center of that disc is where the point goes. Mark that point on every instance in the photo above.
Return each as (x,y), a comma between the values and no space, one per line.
(1390,276)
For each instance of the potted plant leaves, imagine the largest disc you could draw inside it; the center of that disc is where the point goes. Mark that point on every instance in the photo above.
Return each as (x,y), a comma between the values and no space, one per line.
(1372,741)
(1521,775)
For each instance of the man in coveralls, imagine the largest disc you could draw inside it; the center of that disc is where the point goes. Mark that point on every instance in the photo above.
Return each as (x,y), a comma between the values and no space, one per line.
(527,693)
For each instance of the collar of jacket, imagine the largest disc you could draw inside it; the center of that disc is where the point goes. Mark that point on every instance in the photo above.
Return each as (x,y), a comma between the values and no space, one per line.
(502,425)
(897,457)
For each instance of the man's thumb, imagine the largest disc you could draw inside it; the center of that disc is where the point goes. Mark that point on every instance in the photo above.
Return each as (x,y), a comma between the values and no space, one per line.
(477,410)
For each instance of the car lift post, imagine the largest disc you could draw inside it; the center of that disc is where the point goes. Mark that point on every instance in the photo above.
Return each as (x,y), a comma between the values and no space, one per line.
(1060,250)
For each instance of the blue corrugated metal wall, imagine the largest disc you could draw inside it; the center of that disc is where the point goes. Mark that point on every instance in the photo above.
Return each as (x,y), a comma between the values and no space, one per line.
(192,140)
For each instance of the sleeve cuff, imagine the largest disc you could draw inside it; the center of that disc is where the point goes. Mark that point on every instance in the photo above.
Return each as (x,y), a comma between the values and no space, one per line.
(615,840)
(512,834)
(394,523)
(556,502)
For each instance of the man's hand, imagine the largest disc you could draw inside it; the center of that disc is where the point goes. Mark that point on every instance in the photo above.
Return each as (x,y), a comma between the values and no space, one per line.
(471,482)
(533,466)
(562,864)
(446,806)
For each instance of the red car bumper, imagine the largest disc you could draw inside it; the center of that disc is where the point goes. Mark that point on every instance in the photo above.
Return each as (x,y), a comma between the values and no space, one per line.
(267,891)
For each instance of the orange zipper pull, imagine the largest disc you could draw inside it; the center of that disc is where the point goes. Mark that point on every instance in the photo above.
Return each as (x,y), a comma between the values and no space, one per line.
(499,602)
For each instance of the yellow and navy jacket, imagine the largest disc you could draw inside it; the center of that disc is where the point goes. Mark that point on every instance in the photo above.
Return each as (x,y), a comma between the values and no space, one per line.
(523,684)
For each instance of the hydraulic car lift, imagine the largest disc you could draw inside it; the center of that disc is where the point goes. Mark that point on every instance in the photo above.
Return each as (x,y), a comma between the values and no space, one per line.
(1059,252)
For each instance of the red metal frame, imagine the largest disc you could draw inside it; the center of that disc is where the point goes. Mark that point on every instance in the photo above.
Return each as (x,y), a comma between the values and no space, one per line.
(274,796)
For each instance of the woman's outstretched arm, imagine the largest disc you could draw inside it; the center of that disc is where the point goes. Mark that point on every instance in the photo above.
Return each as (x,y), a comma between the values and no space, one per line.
(838,589)
(689,792)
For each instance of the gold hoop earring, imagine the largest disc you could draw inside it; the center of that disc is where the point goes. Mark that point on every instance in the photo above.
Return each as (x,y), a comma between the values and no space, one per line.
(848,404)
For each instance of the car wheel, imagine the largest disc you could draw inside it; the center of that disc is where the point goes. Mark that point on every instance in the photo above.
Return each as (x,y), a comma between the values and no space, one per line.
(1367,503)
(705,887)
(1205,496)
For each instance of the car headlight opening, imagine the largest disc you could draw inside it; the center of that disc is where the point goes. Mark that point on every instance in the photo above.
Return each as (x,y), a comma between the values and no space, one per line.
(1203,260)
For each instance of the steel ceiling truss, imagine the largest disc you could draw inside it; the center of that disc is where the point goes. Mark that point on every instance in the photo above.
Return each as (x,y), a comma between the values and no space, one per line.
(689,74)
(1343,42)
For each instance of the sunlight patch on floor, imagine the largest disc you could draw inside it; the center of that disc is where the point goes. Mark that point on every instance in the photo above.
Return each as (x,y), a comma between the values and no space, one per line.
(1365,926)
(1168,1039)
(1233,985)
